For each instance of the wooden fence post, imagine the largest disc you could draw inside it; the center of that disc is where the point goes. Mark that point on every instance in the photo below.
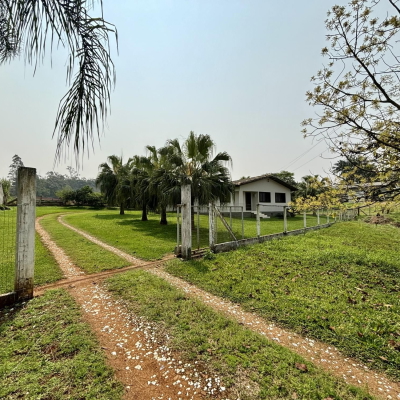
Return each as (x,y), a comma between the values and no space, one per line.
(186,222)
(25,246)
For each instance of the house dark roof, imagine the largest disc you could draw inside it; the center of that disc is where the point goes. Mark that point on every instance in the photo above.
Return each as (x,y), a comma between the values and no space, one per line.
(241,182)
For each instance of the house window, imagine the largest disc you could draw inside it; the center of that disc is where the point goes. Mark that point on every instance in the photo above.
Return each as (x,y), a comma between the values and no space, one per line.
(280,197)
(264,197)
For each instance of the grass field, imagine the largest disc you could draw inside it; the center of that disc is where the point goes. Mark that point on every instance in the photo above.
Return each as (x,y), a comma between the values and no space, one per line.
(251,366)
(132,235)
(85,254)
(46,269)
(147,240)
(340,285)
(47,352)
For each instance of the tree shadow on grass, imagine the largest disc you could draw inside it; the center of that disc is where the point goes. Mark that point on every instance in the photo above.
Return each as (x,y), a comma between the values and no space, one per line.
(152,227)
(8,315)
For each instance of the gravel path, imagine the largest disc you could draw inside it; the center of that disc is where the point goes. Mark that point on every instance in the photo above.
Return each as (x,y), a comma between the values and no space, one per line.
(136,349)
(321,354)
(325,356)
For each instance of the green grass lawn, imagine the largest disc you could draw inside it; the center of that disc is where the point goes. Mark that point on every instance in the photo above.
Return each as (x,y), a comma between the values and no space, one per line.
(46,269)
(340,285)
(45,210)
(149,240)
(47,352)
(248,228)
(231,352)
(88,256)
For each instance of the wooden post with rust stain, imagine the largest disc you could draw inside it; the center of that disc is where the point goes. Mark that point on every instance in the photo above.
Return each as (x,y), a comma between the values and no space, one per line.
(186,222)
(25,241)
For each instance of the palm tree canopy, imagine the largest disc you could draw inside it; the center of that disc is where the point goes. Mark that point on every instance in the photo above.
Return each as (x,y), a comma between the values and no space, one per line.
(194,163)
(32,27)
(114,180)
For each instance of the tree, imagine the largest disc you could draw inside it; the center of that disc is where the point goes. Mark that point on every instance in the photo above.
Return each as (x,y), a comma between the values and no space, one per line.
(158,166)
(32,27)
(315,193)
(312,186)
(358,93)
(354,170)
(13,173)
(114,181)
(142,169)
(193,163)
(66,194)
(286,176)
(53,182)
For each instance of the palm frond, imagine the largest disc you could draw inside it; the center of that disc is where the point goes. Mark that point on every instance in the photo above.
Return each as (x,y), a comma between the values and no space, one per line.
(37,26)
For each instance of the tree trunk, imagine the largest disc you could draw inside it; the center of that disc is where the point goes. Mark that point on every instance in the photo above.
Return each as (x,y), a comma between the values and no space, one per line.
(163,220)
(144,212)
(121,209)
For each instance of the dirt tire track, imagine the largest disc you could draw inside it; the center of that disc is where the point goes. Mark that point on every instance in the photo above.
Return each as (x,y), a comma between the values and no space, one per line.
(134,348)
(321,354)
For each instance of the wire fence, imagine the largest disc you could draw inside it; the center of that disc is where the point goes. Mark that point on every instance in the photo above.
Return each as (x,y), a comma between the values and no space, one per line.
(233,223)
(266,220)
(7,249)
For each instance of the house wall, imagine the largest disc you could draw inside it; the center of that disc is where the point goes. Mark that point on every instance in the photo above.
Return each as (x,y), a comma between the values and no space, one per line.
(263,185)
(239,199)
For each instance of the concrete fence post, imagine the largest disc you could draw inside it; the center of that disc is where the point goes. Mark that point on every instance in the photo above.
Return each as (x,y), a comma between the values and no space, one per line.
(1,195)
(178,222)
(305,219)
(318,222)
(198,227)
(25,246)
(186,222)
(211,226)
(258,220)
(284,219)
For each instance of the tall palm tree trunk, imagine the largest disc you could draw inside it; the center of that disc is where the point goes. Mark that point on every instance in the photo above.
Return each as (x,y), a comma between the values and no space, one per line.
(144,211)
(163,220)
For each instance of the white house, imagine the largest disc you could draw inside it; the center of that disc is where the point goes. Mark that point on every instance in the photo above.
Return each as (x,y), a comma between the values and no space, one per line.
(267,190)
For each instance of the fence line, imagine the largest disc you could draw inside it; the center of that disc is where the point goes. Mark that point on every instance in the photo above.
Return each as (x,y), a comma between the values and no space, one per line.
(17,229)
(230,224)
(7,249)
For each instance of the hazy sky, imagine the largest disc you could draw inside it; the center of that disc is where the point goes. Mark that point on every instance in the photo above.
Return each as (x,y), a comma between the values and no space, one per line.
(237,70)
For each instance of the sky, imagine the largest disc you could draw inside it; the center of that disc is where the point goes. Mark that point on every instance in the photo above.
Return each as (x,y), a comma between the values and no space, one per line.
(237,70)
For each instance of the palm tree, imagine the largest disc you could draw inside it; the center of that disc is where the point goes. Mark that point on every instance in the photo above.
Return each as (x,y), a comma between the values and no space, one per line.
(140,181)
(193,163)
(311,186)
(161,166)
(114,181)
(32,27)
